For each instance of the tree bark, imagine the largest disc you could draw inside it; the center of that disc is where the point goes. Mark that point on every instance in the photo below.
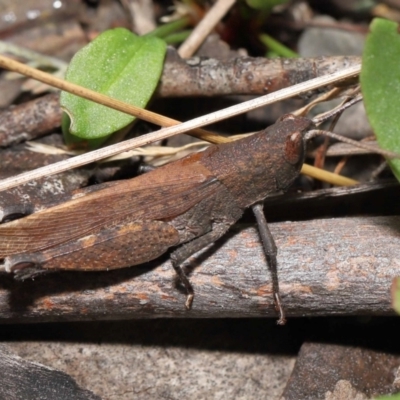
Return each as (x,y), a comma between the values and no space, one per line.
(30,120)
(341,266)
(242,75)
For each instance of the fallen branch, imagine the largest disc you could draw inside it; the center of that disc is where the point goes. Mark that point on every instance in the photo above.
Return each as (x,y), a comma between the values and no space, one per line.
(326,267)
(243,75)
(182,78)
(30,120)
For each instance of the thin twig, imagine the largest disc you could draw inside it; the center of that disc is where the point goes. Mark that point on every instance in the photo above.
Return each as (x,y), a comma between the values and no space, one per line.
(162,133)
(329,95)
(204,27)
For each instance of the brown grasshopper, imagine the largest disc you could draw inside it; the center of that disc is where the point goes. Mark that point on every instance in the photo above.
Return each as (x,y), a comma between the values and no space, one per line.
(189,203)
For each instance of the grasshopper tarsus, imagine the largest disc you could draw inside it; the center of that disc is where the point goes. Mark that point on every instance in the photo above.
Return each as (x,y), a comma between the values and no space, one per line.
(185,282)
(189,301)
(279,309)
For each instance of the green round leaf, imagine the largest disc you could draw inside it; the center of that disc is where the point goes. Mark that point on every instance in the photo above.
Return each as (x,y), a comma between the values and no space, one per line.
(380,84)
(389,397)
(119,64)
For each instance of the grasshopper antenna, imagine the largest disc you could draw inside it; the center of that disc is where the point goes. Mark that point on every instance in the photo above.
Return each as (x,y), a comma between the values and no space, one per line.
(319,119)
(316,132)
(323,117)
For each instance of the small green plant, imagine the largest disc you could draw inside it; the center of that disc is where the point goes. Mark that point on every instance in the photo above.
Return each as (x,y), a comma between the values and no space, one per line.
(277,48)
(265,4)
(119,64)
(380,84)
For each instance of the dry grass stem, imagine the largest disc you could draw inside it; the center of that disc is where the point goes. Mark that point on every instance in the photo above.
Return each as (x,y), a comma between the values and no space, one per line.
(204,27)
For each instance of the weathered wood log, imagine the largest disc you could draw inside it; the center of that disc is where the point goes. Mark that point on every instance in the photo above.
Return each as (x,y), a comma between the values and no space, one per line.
(242,75)
(341,266)
(32,196)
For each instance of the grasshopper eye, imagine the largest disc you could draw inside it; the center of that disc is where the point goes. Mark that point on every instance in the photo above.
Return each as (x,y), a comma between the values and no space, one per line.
(293,151)
(287,117)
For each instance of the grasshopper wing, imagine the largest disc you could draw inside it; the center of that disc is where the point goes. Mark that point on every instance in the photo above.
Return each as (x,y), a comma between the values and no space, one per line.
(161,194)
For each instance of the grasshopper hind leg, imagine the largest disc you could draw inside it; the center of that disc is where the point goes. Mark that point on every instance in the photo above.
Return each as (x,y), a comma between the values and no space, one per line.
(185,251)
(271,252)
